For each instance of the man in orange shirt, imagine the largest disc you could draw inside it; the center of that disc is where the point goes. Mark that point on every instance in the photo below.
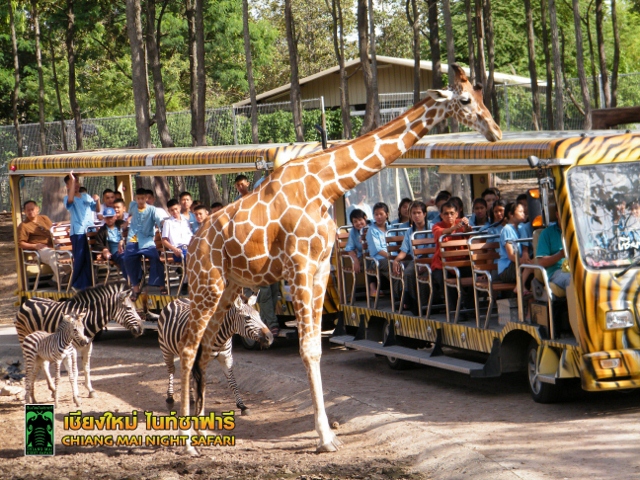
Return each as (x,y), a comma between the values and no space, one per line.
(35,234)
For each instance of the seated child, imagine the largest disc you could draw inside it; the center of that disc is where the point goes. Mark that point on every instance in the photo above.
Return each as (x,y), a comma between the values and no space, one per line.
(506,262)
(176,231)
(201,213)
(377,242)
(110,239)
(354,244)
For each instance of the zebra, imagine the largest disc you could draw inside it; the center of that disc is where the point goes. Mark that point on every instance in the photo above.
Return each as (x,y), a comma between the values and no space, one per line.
(241,318)
(104,303)
(40,348)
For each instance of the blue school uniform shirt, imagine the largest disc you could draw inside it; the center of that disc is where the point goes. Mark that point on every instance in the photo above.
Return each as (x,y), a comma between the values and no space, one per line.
(495,229)
(377,242)
(406,246)
(354,244)
(483,228)
(143,224)
(114,235)
(508,233)
(525,230)
(81,210)
(434,217)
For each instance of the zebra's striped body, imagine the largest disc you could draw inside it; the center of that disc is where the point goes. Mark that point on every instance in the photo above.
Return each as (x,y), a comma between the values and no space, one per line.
(40,348)
(103,304)
(241,318)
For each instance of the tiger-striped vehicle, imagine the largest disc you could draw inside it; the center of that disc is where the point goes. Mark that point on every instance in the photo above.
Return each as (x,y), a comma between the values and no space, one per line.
(599,341)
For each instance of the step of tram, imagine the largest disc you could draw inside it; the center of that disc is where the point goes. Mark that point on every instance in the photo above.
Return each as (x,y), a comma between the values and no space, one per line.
(423,357)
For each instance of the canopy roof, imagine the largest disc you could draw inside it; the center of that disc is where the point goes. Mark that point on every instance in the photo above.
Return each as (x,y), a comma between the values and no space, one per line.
(453,153)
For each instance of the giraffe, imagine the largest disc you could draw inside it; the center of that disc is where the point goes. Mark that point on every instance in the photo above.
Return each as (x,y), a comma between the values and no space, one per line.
(282,231)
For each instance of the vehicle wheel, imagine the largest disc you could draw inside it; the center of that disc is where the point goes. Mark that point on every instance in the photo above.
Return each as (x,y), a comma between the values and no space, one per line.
(393,362)
(541,392)
(249,344)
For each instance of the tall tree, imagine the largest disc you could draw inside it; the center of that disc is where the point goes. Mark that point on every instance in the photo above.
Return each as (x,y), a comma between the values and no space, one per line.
(592,58)
(481,67)
(616,55)
(138,73)
(604,76)
(338,47)
(296,96)
(535,98)
(15,95)
(558,117)
(490,87)
(201,80)
(249,63)
(56,85)
(36,30)
(368,122)
(153,34)
(196,73)
(71,60)
(374,64)
(434,46)
(413,17)
(470,41)
(582,76)
(547,64)
(451,52)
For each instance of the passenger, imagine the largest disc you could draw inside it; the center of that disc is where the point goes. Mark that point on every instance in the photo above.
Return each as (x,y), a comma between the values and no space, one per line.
(522,199)
(506,263)
(81,207)
(176,232)
(185,210)
(108,199)
(151,200)
(110,239)
(460,205)
(491,195)
(498,214)
(479,218)
(404,218)
(35,234)
(434,216)
(418,224)
(194,205)
(633,221)
(377,241)
(118,195)
(550,252)
(354,244)
(118,206)
(141,243)
(215,206)
(242,185)
(450,224)
(201,212)
(361,196)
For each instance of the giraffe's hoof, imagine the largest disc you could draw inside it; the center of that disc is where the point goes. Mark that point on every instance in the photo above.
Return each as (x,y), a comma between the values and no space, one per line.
(245,412)
(332,446)
(93,394)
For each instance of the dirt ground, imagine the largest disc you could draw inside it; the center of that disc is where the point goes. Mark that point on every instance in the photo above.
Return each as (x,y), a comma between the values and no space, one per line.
(412,424)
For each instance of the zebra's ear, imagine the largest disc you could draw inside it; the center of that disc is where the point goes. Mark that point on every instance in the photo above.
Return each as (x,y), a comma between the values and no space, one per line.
(252,300)
(238,302)
(125,294)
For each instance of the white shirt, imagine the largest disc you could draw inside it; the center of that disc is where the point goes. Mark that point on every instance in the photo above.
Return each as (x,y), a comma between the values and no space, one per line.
(178,232)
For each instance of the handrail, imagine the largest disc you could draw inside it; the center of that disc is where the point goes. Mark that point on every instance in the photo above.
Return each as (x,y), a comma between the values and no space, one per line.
(519,278)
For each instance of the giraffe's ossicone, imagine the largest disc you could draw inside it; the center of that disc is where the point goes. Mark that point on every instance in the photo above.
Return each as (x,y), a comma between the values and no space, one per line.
(282,231)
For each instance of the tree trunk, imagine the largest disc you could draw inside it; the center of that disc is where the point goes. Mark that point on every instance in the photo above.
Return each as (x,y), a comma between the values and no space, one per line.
(296,96)
(470,42)
(201,79)
(16,78)
(547,63)
(138,71)
(584,87)
(535,98)
(557,67)
(53,192)
(451,54)
(601,55)
(592,58)
(434,45)
(249,63)
(368,122)
(338,47)
(374,65)
(616,55)
(71,59)
(56,85)
(491,93)
(197,104)
(153,51)
(481,68)
(413,17)
(36,30)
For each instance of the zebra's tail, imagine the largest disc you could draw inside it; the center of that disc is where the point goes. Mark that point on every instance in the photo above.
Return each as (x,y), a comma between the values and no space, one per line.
(196,374)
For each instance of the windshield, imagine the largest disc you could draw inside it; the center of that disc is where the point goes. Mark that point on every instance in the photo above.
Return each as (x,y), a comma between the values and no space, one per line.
(606,208)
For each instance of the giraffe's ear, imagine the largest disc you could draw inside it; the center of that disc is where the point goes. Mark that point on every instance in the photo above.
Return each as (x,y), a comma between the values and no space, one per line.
(440,95)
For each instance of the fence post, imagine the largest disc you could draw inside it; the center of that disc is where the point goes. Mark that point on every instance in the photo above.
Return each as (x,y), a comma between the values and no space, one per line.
(235,128)
(323,116)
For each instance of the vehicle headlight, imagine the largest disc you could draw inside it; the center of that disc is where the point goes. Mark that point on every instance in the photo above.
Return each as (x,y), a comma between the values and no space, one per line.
(616,319)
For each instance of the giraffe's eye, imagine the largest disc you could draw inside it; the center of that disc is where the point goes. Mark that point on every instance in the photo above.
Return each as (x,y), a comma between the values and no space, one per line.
(465,100)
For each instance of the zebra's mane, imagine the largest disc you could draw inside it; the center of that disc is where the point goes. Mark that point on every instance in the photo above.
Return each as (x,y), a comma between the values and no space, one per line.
(89,295)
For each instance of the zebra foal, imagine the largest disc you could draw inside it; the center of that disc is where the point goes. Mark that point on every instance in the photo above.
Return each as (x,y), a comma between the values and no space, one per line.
(40,348)
(241,318)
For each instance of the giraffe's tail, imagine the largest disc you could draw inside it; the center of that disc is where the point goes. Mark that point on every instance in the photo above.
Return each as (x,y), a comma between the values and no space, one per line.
(196,374)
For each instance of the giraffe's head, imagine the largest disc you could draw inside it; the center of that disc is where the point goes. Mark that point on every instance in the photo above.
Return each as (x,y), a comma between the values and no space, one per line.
(464,102)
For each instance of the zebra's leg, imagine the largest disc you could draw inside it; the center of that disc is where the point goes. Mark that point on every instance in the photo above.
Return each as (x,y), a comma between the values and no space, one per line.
(226,361)
(32,370)
(47,374)
(57,364)
(72,367)
(171,369)
(86,359)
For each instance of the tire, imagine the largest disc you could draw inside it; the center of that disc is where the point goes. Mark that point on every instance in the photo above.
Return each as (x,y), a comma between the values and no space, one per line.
(393,362)
(540,392)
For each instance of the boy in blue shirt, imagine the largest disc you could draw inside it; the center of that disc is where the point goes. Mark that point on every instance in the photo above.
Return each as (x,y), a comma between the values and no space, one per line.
(141,243)
(110,239)
(81,207)
(354,244)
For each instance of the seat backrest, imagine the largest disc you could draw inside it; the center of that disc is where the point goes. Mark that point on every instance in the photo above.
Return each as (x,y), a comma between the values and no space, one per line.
(483,252)
(454,252)
(61,234)
(423,248)
(536,237)
(395,237)
(342,237)
(92,234)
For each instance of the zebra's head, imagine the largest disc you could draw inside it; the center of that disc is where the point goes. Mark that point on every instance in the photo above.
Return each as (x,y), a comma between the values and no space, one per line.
(247,322)
(126,314)
(75,321)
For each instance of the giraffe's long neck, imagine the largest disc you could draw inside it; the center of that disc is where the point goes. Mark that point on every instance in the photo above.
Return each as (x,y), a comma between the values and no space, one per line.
(365,156)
